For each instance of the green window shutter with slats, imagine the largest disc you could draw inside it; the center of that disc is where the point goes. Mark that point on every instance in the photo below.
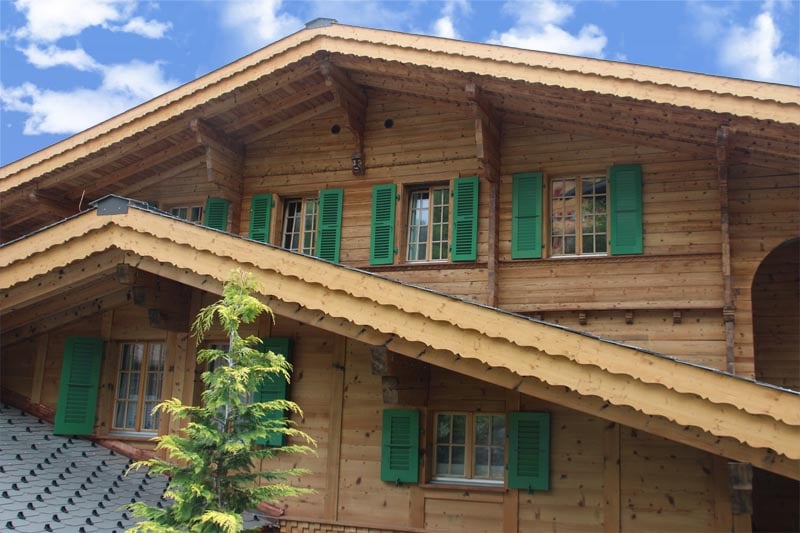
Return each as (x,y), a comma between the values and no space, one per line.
(217,214)
(526,215)
(529,451)
(274,387)
(260,215)
(626,210)
(80,380)
(400,446)
(381,245)
(465,220)
(329,232)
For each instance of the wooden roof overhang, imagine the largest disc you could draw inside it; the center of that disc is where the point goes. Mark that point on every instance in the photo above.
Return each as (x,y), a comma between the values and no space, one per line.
(335,68)
(700,407)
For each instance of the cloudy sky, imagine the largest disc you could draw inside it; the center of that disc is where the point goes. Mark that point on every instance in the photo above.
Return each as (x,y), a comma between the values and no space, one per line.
(66,65)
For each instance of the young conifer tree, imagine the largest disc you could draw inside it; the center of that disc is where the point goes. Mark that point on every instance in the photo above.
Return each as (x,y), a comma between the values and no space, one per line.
(213,462)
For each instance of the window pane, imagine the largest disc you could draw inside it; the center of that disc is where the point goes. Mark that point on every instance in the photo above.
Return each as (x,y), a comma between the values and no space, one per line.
(482,429)
(498,430)
(291,224)
(569,245)
(458,462)
(442,460)
(481,466)
(443,428)
(459,429)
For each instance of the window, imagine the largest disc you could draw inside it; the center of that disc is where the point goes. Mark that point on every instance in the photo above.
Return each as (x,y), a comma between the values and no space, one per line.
(470,446)
(428,223)
(192,214)
(300,225)
(140,375)
(578,216)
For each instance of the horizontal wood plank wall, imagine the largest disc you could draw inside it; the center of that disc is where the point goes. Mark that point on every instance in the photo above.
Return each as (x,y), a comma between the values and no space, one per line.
(310,386)
(680,266)
(427,143)
(763,214)
(17,366)
(575,501)
(698,338)
(363,497)
(665,486)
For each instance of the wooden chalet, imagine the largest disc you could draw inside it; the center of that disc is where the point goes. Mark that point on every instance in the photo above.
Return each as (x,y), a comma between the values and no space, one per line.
(521,291)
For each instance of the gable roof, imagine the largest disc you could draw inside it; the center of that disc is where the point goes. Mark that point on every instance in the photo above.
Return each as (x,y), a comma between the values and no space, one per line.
(708,409)
(284,84)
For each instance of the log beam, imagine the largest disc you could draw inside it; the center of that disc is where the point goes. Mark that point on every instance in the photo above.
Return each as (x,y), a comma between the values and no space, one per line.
(352,100)
(487,132)
(723,142)
(48,323)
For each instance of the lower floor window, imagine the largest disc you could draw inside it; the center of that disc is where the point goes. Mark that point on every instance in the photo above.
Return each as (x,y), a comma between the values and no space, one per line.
(470,446)
(140,376)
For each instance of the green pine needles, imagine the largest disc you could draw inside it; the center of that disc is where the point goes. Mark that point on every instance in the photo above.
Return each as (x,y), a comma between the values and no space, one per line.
(215,462)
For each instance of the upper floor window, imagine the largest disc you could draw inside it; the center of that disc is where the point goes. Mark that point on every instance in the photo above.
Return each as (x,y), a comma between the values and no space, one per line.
(300,225)
(191,213)
(428,223)
(139,378)
(588,215)
(578,216)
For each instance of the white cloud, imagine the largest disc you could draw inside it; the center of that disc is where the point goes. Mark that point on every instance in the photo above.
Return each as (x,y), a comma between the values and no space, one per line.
(152,29)
(754,52)
(66,112)
(259,22)
(538,27)
(444,26)
(50,20)
(751,49)
(53,56)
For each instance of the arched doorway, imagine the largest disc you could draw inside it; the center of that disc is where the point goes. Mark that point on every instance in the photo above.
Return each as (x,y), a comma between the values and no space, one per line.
(776,340)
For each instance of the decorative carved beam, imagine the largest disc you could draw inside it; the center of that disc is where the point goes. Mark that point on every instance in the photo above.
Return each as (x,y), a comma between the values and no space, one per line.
(487,132)
(224,156)
(352,99)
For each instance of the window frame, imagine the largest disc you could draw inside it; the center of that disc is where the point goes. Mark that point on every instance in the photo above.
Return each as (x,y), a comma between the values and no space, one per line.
(470,448)
(141,402)
(548,207)
(303,200)
(430,187)
(189,209)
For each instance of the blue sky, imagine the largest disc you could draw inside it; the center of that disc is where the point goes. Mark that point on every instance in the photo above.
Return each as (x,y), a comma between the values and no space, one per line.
(66,65)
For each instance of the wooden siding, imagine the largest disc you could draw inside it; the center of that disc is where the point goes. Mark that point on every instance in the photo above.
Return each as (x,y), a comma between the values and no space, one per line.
(763,214)
(603,477)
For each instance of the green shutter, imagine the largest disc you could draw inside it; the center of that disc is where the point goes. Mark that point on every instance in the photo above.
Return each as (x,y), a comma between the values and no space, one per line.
(329,230)
(465,220)
(274,388)
(526,215)
(400,446)
(80,380)
(529,451)
(381,244)
(260,214)
(626,210)
(217,214)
